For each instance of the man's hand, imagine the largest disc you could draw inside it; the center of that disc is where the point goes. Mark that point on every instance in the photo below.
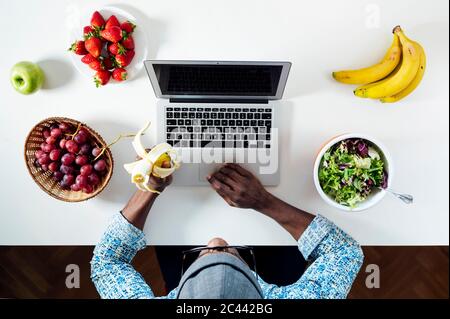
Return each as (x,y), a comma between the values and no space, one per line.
(239,187)
(157,183)
(139,205)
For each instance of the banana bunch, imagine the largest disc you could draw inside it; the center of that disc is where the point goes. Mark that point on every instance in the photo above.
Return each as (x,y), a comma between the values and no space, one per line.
(161,161)
(395,76)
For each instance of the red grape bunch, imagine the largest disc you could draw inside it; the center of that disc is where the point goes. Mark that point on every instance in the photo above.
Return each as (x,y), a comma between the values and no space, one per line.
(72,156)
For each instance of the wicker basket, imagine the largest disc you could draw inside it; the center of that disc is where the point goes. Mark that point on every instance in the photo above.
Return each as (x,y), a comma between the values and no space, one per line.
(45,180)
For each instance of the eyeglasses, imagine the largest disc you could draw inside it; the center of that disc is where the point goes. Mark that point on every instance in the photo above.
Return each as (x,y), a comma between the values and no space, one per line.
(246,254)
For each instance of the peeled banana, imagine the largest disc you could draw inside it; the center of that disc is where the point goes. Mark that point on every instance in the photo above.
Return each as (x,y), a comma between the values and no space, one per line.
(161,161)
(395,77)
(375,72)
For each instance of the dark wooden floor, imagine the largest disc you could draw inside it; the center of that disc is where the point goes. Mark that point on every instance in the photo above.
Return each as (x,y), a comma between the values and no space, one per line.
(406,272)
(39,272)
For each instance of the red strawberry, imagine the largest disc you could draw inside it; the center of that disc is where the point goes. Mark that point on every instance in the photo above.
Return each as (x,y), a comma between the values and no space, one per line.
(109,63)
(97,20)
(113,34)
(88,31)
(96,65)
(128,27)
(112,22)
(101,78)
(78,48)
(124,59)
(120,74)
(88,58)
(116,48)
(128,42)
(121,60)
(130,55)
(93,46)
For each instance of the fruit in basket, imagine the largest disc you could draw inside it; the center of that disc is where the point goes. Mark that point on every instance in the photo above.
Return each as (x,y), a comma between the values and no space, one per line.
(106,46)
(81,137)
(87,189)
(86,169)
(65,169)
(96,151)
(55,132)
(27,77)
(72,146)
(65,127)
(53,166)
(81,160)
(100,165)
(47,147)
(93,179)
(63,158)
(55,154)
(395,77)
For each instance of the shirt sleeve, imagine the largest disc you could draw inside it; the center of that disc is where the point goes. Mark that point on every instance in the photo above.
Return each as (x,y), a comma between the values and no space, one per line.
(111,269)
(335,258)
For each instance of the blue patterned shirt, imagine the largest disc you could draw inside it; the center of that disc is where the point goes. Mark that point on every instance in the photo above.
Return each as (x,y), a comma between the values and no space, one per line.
(335,261)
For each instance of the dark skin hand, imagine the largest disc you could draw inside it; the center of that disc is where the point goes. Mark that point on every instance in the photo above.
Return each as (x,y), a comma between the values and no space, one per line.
(139,205)
(240,188)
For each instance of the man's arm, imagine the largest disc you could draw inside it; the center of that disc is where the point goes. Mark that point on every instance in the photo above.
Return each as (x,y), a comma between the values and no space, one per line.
(111,269)
(138,207)
(336,257)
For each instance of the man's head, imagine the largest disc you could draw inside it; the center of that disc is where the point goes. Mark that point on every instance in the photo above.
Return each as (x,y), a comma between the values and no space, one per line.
(219,274)
(219,242)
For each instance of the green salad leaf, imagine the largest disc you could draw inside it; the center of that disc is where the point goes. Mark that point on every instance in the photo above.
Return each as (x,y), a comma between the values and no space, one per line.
(350,170)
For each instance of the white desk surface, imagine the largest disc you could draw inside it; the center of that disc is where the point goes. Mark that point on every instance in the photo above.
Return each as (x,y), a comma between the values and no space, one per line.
(316,36)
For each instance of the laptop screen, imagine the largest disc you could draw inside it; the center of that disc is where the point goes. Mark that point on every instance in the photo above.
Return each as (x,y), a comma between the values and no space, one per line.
(212,80)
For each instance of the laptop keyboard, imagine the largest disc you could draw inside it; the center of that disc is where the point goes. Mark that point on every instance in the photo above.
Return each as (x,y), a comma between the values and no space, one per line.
(231,127)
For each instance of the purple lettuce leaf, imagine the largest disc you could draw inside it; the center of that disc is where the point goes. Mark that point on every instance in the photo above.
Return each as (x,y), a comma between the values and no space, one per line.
(384,182)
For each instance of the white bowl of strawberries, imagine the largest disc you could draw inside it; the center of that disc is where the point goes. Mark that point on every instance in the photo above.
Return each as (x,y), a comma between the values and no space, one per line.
(112,48)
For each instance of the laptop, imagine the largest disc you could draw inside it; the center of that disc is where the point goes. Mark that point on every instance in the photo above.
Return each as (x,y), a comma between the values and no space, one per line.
(216,112)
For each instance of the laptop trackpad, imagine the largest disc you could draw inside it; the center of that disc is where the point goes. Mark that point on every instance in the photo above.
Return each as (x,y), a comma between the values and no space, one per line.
(207,169)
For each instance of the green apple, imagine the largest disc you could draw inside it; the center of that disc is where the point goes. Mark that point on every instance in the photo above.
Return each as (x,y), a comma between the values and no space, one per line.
(27,77)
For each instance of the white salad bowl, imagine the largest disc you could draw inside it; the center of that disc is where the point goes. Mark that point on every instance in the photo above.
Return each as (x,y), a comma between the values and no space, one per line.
(377,194)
